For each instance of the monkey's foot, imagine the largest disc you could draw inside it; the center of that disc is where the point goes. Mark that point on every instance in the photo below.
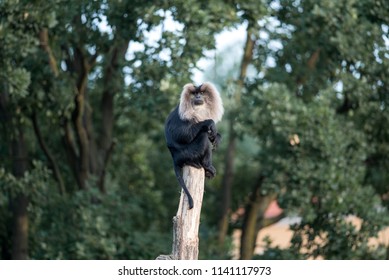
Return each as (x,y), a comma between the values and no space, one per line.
(198,166)
(210,172)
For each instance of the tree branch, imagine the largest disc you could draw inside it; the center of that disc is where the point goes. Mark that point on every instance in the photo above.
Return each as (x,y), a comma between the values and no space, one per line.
(247,56)
(44,41)
(82,137)
(71,151)
(52,162)
(79,117)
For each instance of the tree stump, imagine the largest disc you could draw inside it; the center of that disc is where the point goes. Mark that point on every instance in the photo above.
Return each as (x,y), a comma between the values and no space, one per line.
(187,221)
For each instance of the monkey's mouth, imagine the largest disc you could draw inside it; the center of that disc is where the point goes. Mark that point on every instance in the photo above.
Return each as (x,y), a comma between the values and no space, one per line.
(198,102)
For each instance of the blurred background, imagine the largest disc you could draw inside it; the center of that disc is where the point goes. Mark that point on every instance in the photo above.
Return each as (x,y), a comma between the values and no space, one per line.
(85,87)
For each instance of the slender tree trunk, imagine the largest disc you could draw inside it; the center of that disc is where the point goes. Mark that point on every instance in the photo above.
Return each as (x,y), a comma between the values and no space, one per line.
(228,176)
(19,204)
(253,219)
(106,143)
(20,227)
(227,184)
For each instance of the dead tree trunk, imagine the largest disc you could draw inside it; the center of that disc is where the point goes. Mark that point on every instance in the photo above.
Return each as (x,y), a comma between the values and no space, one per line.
(186,222)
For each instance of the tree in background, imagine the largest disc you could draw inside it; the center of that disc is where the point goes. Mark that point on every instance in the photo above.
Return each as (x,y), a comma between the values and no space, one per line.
(84,91)
(324,62)
(76,98)
(306,108)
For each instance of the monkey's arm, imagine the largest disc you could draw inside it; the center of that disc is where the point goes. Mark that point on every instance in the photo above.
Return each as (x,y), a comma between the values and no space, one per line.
(188,133)
(183,132)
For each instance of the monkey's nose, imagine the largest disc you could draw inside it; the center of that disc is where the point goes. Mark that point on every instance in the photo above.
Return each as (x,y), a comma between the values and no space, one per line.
(198,100)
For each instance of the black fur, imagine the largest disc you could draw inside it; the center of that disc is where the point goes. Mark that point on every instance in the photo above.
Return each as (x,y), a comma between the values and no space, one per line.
(191,143)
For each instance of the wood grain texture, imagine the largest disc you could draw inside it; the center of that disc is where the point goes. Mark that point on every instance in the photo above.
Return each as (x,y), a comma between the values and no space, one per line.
(187,221)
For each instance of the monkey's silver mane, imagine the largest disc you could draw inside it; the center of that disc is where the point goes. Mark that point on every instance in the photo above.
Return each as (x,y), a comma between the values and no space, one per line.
(212,109)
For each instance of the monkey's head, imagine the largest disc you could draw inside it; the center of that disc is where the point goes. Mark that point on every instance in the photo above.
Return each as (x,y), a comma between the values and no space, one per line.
(200,103)
(197,96)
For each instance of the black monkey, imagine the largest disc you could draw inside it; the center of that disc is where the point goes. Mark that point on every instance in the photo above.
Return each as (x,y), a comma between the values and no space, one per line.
(190,130)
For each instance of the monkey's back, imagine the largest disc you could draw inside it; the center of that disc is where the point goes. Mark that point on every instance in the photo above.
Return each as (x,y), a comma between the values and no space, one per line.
(176,132)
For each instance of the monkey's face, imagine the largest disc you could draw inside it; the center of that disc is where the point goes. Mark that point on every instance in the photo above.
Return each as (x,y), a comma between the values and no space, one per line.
(200,103)
(197,98)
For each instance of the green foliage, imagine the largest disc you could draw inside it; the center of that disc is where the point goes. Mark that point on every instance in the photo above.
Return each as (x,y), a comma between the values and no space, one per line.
(112,47)
(312,118)
(88,225)
(315,149)
(316,159)
(32,184)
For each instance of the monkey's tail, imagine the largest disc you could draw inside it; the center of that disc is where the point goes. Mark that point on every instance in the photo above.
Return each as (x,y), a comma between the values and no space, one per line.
(177,170)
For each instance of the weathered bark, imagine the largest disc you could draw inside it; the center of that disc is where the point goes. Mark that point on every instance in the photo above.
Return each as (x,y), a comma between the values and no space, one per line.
(19,204)
(186,222)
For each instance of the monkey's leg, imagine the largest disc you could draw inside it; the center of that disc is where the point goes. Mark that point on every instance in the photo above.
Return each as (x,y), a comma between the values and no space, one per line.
(198,154)
(186,157)
(189,154)
(210,170)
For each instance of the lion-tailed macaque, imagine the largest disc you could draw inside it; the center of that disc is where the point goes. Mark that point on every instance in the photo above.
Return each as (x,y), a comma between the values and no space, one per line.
(190,130)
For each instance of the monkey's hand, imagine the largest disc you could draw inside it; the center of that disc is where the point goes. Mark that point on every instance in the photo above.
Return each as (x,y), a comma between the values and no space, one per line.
(214,136)
(216,141)
(212,132)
